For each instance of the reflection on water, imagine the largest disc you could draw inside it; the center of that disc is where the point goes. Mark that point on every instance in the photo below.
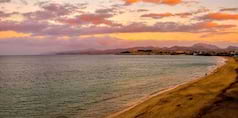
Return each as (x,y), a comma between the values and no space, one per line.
(88,86)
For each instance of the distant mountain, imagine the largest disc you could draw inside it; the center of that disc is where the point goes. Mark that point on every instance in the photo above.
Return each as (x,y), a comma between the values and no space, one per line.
(109,51)
(203,46)
(232,48)
(153,50)
(196,47)
(178,48)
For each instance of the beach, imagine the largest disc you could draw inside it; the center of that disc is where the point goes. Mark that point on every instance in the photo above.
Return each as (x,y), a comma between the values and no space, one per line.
(211,96)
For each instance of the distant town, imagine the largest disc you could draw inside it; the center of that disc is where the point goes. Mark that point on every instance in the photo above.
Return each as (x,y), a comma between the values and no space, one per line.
(199,49)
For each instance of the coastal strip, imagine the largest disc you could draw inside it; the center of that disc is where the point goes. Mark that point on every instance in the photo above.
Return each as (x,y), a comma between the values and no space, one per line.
(214,95)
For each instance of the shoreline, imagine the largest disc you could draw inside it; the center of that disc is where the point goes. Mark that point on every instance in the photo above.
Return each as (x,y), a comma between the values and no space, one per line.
(212,71)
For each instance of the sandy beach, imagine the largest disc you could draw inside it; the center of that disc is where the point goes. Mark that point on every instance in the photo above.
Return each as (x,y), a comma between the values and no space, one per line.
(212,96)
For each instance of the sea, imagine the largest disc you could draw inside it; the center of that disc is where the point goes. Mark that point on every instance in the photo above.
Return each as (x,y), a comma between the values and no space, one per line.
(90,86)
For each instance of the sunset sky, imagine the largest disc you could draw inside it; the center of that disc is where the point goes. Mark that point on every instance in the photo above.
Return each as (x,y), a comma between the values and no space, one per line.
(44,26)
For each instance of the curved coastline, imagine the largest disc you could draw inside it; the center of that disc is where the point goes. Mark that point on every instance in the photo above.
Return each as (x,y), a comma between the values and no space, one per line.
(138,109)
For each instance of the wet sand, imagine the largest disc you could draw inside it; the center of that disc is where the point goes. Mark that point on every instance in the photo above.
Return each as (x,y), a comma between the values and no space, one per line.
(212,96)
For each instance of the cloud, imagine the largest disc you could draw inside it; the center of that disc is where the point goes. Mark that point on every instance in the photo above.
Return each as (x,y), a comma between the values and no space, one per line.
(182,14)
(39,28)
(71,14)
(229,9)
(157,16)
(29,26)
(142,10)
(45,29)
(136,27)
(3,14)
(105,11)
(159,27)
(201,10)
(52,11)
(219,16)
(57,20)
(90,18)
(210,25)
(163,15)
(54,19)
(167,2)
(24,2)
(5,1)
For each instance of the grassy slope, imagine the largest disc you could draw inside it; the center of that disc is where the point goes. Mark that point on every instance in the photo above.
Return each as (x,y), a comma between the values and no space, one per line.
(192,100)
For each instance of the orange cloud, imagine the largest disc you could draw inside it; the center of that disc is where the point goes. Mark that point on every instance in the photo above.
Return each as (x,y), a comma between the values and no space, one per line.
(214,25)
(221,16)
(12,34)
(132,1)
(162,15)
(209,25)
(168,2)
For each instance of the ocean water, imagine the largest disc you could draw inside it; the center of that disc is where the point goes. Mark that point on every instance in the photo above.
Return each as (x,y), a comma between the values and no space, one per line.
(89,86)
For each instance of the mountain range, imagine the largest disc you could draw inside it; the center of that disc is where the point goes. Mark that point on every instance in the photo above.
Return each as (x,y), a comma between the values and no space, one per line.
(196,47)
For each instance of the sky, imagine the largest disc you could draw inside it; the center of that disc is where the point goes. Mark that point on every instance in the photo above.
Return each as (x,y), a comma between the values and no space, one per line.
(47,26)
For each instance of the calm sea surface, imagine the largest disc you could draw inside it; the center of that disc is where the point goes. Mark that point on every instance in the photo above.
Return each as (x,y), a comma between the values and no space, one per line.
(88,86)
